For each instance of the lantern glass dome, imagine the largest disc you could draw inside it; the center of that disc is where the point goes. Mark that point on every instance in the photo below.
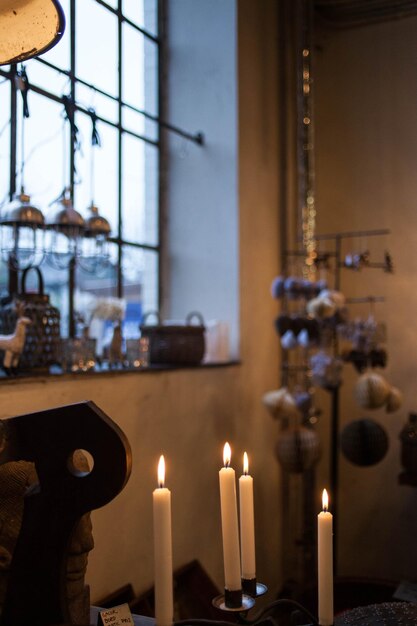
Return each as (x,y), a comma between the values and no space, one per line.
(66,226)
(95,250)
(22,233)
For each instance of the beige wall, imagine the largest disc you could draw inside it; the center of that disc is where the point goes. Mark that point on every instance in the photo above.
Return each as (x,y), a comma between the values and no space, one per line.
(366,149)
(189,414)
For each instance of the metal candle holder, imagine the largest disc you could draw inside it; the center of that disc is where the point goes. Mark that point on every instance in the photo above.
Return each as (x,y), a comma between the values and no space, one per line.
(242,600)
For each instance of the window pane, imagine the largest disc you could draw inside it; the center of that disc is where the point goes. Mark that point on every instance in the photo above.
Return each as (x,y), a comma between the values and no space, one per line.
(140,191)
(105,107)
(93,288)
(46,154)
(49,79)
(144,13)
(56,286)
(96,47)
(4,164)
(139,124)
(44,131)
(140,287)
(100,185)
(59,55)
(112,3)
(140,70)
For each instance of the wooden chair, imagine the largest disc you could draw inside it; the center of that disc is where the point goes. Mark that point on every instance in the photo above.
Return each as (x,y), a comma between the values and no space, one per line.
(36,592)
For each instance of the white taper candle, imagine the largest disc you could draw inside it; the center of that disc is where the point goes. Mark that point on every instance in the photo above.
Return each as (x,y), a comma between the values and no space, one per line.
(164,605)
(325,564)
(230,527)
(247,522)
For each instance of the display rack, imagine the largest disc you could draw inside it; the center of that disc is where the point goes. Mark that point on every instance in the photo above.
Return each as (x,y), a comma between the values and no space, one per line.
(306,541)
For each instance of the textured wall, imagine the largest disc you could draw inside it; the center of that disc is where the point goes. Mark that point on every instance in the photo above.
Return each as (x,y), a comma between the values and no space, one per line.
(366,148)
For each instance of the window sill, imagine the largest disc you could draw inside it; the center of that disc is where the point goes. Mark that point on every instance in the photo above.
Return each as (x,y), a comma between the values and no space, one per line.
(57,375)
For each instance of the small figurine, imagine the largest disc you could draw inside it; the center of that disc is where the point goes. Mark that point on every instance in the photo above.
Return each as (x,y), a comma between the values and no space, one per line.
(13,344)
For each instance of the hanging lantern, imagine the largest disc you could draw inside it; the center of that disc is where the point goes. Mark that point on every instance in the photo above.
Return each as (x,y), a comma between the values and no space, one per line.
(94,250)
(66,227)
(22,233)
(95,254)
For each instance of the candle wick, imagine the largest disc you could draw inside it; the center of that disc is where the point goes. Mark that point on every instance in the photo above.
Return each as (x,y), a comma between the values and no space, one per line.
(245,473)
(161,485)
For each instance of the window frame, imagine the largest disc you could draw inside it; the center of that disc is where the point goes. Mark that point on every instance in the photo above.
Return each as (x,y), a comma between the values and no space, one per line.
(158,143)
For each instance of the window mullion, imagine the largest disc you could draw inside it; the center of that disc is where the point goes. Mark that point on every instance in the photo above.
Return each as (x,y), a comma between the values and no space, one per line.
(120,150)
(72,266)
(13,130)
(73,82)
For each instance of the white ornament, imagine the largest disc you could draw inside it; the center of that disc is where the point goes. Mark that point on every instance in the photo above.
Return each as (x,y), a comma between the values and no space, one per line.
(371,390)
(13,344)
(280,403)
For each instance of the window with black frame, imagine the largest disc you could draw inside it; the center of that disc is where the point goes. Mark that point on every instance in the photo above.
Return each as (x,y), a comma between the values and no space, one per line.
(92,136)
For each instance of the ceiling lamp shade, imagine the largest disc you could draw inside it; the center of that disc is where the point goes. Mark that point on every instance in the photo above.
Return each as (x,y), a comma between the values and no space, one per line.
(22,229)
(29,28)
(66,226)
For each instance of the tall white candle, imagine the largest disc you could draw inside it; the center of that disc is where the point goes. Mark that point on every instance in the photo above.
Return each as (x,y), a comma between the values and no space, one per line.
(247,522)
(230,528)
(325,563)
(164,606)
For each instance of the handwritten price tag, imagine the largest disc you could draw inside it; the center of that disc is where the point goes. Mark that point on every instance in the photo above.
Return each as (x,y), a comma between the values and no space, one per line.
(117,616)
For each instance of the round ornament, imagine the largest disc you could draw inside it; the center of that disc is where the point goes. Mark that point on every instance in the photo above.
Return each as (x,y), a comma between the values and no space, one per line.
(371,390)
(280,403)
(334,296)
(364,442)
(277,287)
(321,308)
(298,449)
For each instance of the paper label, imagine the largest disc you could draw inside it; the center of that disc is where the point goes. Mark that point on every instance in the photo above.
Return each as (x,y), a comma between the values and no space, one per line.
(116,616)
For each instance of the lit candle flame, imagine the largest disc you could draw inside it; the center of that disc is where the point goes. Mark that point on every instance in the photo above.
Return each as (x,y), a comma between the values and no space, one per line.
(325,500)
(161,471)
(245,464)
(227,454)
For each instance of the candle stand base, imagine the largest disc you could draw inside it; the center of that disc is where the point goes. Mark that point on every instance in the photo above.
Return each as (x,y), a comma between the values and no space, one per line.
(300,615)
(225,603)
(252,588)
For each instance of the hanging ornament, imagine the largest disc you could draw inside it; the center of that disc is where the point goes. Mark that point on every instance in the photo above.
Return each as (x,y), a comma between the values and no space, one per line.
(94,255)
(364,442)
(280,403)
(21,237)
(298,449)
(66,226)
(371,390)
(21,222)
